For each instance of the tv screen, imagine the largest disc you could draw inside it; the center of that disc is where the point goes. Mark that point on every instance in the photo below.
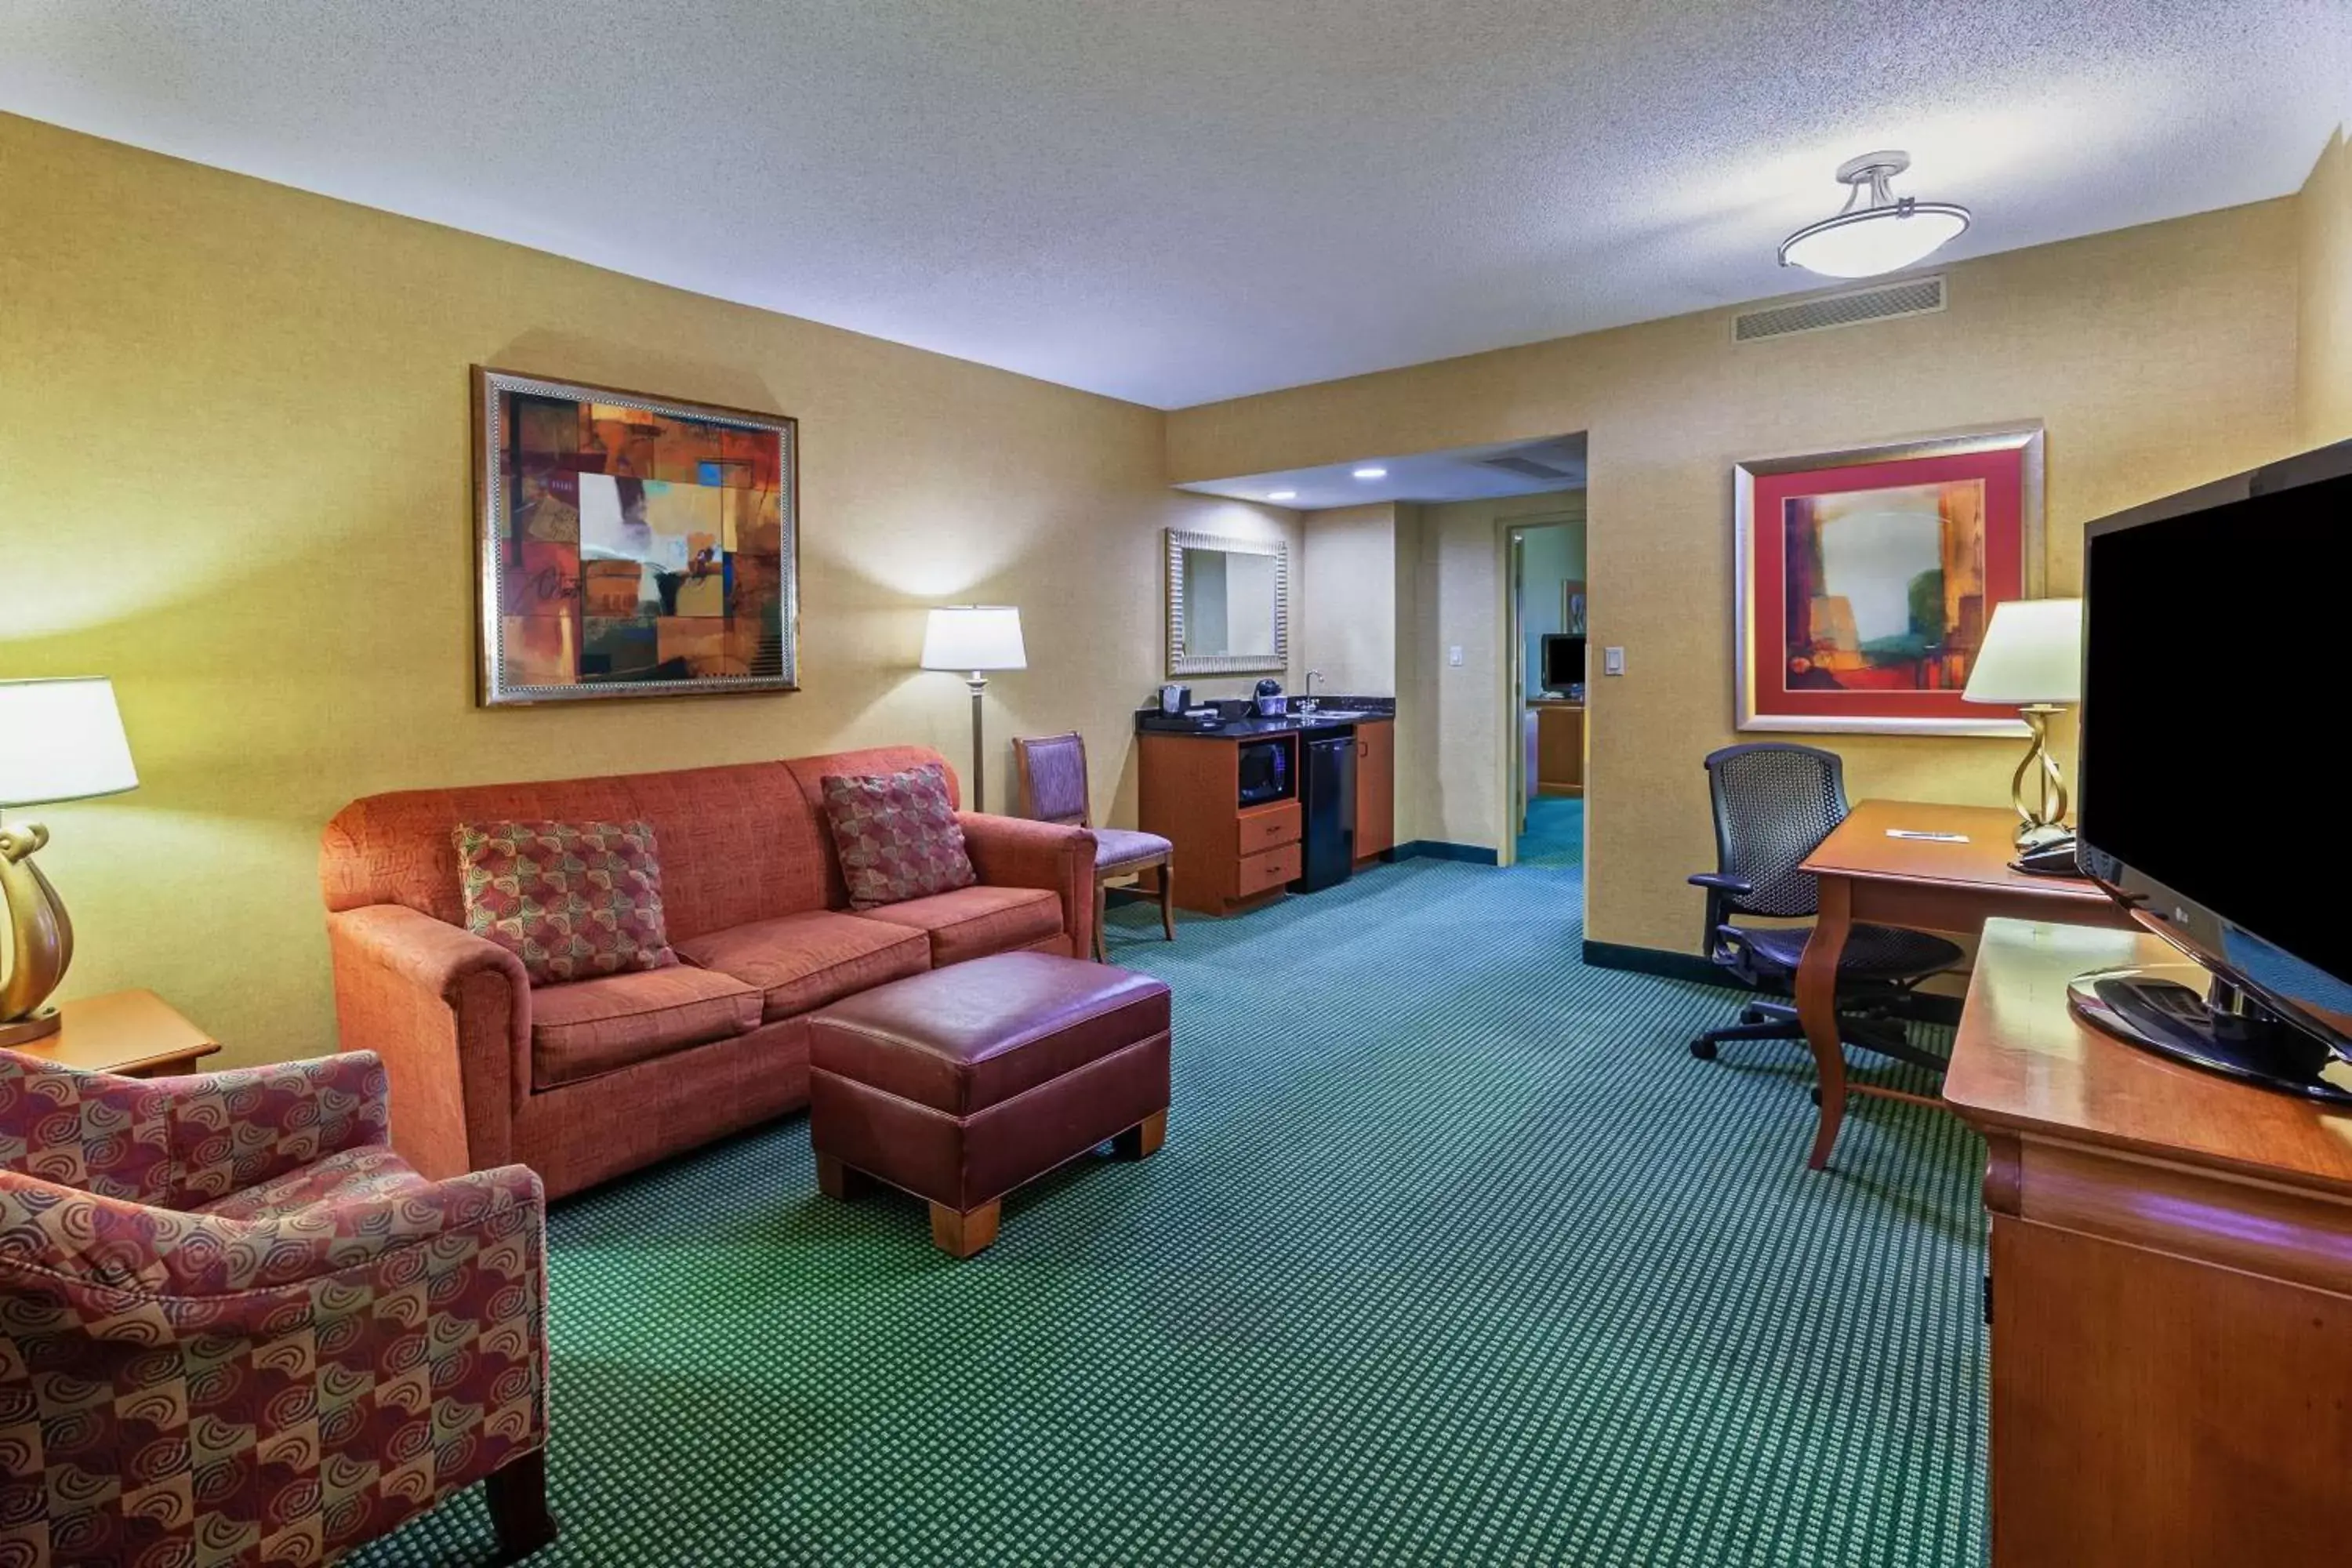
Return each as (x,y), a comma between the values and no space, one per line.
(2213,714)
(1563,661)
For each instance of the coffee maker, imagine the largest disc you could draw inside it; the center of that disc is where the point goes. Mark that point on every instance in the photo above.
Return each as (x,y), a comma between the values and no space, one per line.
(1270,703)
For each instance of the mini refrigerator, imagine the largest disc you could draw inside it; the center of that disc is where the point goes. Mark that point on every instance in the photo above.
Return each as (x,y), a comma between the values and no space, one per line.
(1326,801)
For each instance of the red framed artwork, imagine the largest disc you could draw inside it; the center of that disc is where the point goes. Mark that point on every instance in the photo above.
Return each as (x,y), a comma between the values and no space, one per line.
(1867,579)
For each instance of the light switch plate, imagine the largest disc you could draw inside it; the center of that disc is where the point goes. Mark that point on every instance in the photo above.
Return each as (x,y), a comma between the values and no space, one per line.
(1613,661)
(1453,654)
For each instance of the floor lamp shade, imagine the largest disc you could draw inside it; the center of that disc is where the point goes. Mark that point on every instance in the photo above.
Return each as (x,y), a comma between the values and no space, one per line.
(975,638)
(60,740)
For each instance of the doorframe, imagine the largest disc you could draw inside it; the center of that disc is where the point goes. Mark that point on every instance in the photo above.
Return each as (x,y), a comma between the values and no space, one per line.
(1509,531)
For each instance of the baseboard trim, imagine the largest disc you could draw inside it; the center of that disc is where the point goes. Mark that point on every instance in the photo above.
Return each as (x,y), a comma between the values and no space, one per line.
(1438,849)
(1925,1007)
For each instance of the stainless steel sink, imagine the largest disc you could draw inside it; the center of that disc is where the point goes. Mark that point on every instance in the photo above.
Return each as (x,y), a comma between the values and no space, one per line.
(1334,715)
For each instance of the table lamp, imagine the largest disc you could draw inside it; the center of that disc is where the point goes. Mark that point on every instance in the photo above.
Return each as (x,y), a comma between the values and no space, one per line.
(60,740)
(2033,659)
(975,637)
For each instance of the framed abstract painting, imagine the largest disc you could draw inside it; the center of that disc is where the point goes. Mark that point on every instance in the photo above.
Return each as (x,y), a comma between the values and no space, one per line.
(1867,579)
(631,546)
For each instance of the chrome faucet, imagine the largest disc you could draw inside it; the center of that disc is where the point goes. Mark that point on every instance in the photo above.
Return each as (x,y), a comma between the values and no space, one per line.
(1306,703)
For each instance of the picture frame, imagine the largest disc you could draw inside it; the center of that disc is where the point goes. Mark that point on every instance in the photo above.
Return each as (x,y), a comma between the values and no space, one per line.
(628,545)
(1865,577)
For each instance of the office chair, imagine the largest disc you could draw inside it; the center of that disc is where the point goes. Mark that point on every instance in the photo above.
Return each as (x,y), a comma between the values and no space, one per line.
(1773,803)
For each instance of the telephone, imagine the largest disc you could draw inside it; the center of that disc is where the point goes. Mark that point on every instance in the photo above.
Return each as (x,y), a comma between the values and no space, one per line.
(2052,858)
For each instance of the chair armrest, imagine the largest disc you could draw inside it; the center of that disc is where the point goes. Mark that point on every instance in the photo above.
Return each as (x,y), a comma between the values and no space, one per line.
(1015,852)
(449,1013)
(72,1261)
(1717,881)
(240,1127)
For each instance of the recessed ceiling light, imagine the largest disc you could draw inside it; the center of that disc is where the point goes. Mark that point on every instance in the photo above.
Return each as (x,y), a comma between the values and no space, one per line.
(1885,233)
(1371,473)
(1282,495)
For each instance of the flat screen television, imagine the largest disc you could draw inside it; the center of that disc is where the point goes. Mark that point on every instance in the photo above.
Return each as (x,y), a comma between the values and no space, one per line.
(1563,661)
(2214,802)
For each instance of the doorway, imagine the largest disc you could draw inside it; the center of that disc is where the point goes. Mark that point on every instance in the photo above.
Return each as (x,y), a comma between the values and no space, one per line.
(1547,612)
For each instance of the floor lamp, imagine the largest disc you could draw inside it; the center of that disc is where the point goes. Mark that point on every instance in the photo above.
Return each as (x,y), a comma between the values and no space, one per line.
(978,638)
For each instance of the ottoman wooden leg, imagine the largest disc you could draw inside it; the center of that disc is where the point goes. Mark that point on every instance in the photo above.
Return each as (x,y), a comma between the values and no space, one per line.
(836,1179)
(518,1498)
(961,1234)
(1143,1139)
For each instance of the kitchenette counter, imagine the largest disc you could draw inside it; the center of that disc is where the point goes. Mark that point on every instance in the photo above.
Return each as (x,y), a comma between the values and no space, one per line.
(1331,713)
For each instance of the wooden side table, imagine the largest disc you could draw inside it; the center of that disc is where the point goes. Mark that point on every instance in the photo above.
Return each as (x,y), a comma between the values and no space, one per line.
(134,1033)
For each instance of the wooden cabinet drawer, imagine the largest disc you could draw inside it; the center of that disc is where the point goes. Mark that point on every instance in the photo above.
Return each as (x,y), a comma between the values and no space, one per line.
(1266,826)
(1254,874)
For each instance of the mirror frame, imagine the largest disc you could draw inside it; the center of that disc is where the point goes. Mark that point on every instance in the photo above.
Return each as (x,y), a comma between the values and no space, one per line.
(1182,663)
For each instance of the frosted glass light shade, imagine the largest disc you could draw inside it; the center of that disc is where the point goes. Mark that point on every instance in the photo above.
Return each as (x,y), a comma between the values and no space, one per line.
(974,636)
(1867,243)
(61,739)
(2032,653)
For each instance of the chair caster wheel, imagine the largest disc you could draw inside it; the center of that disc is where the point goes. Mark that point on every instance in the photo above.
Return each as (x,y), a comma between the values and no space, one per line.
(1703,1049)
(1815,1093)
(1752,1014)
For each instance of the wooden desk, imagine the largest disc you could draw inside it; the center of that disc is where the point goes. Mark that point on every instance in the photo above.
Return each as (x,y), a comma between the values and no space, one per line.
(2170,1286)
(1924,885)
(134,1033)
(1560,746)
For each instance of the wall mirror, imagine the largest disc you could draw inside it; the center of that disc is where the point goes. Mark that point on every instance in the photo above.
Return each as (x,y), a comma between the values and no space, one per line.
(1228,604)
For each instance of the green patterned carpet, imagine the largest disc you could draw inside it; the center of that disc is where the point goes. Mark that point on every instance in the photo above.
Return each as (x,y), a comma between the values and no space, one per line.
(1453,1256)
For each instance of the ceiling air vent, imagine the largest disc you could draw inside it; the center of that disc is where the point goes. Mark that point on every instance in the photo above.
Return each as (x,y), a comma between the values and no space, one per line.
(1527,467)
(1850,308)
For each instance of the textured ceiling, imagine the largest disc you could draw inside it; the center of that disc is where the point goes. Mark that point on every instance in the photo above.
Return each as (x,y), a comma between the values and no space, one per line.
(1175,201)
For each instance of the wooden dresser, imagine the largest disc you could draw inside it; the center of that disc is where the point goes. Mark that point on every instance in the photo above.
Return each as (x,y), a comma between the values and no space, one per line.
(1230,857)
(1560,745)
(2170,1286)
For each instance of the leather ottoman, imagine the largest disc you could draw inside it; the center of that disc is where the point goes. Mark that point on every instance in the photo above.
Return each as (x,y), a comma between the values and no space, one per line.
(959,1084)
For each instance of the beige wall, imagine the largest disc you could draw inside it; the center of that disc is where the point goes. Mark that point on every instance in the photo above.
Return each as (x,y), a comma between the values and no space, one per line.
(234,476)
(2157,357)
(1348,629)
(2324,361)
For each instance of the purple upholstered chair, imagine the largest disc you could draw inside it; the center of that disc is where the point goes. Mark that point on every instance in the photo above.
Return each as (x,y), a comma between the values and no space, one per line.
(1053,771)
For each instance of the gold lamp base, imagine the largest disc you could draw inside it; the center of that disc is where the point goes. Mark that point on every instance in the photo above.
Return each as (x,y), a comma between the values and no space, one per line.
(2041,807)
(40,938)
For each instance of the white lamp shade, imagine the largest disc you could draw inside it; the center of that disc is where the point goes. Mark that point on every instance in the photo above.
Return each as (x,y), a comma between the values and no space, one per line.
(2032,653)
(974,636)
(1878,239)
(61,739)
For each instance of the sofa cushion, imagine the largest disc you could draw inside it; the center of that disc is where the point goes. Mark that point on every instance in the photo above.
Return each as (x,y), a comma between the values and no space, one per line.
(897,835)
(972,922)
(570,900)
(800,962)
(596,1026)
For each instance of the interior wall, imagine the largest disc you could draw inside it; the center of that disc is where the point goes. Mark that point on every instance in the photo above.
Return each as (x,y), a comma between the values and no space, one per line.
(2157,357)
(2324,360)
(1348,631)
(235,449)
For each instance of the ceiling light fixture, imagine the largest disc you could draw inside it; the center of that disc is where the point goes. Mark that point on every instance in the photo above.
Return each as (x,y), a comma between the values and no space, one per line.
(1885,235)
(1371,473)
(1282,495)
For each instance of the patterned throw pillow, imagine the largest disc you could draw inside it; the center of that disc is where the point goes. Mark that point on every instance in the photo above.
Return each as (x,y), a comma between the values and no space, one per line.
(572,900)
(897,836)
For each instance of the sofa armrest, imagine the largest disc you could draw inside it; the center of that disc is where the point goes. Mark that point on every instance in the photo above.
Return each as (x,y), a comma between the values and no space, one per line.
(238,1128)
(449,1013)
(1015,852)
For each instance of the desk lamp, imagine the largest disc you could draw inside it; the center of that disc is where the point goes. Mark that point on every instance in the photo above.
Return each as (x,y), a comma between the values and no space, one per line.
(2033,659)
(60,740)
(975,637)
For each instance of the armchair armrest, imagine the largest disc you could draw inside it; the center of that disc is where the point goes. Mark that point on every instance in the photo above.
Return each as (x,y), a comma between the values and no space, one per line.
(106,1268)
(1016,852)
(1721,887)
(238,1128)
(449,1013)
(1720,882)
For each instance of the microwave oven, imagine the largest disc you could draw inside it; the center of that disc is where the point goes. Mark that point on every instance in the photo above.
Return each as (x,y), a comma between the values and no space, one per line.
(1266,772)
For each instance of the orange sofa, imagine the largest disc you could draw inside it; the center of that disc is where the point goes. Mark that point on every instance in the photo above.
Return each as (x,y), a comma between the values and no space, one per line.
(586,1080)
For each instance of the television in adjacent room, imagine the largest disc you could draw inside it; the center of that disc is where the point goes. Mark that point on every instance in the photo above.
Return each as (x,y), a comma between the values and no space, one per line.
(1563,661)
(2213,802)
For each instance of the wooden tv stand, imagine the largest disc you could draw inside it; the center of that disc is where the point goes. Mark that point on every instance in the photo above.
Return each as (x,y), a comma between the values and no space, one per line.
(2170,1285)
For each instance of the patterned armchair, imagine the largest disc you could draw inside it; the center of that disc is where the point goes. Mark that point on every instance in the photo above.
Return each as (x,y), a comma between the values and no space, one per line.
(235,1328)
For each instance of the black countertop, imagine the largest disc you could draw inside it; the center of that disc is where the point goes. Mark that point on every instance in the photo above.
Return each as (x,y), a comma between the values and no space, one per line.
(1361,711)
